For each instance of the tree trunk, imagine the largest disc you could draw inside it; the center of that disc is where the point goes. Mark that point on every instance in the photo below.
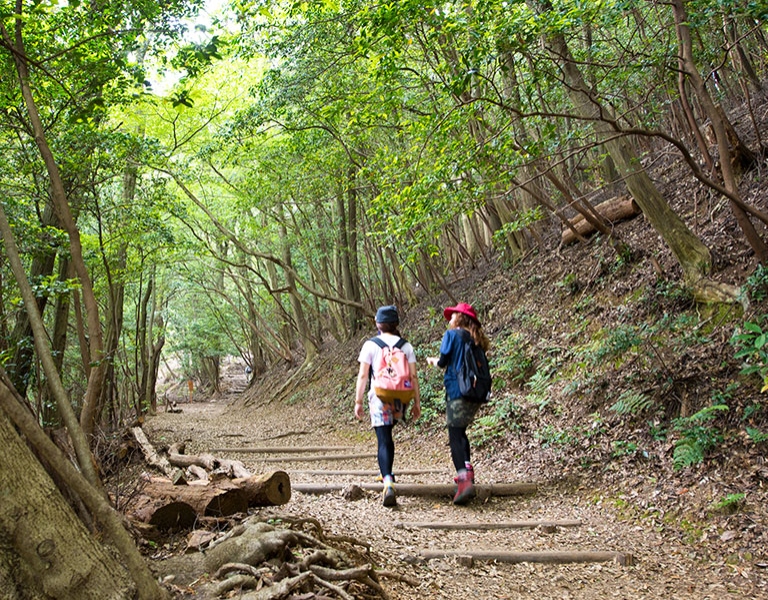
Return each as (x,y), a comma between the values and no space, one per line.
(79,440)
(91,496)
(52,553)
(20,366)
(48,409)
(733,154)
(61,204)
(692,255)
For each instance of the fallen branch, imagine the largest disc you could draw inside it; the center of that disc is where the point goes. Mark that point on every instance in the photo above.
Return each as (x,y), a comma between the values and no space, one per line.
(549,557)
(152,457)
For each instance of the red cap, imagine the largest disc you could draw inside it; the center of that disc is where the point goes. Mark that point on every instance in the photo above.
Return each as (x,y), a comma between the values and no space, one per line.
(463,308)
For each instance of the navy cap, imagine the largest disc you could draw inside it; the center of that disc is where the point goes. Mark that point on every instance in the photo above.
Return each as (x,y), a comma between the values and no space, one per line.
(387,314)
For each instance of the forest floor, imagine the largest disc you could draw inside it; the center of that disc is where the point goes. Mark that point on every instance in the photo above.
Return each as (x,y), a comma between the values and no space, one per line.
(632,510)
(614,392)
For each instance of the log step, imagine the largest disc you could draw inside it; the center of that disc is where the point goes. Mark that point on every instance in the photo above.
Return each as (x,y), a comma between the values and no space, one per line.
(454,526)
(371,473)
(284,449)
(548,557)
(302,458)
(417,489)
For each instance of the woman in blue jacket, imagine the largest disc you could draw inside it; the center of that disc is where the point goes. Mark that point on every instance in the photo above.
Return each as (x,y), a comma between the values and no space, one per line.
(459,412)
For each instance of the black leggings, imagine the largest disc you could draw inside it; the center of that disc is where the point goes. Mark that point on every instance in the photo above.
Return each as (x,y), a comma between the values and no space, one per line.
(386,454)
(459,443)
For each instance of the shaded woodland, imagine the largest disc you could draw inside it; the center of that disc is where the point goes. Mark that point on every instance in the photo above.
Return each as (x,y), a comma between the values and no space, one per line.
(179,186)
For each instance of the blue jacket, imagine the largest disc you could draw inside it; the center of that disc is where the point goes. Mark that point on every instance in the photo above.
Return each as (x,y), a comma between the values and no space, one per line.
(451,355)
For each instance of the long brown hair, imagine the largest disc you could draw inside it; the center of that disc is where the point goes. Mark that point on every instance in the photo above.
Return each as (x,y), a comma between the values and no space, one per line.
(475,330)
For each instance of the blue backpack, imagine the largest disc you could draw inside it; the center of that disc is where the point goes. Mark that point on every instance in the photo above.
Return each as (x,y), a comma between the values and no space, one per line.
(473,372)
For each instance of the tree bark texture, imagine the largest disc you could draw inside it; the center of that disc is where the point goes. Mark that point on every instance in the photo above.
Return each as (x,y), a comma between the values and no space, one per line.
(51,552)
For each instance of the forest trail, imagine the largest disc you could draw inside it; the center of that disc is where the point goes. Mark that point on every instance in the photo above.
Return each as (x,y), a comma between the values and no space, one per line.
(663,566)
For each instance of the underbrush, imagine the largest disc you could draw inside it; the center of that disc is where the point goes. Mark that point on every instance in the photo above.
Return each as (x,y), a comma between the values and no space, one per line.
(596,377)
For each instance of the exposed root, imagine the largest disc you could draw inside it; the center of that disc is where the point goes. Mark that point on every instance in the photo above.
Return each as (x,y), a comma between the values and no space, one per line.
(275,564)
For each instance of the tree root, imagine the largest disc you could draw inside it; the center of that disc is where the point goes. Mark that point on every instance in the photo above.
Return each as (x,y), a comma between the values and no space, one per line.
(277,563)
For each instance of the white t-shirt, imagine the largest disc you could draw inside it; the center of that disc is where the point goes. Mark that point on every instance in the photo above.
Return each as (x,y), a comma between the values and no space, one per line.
(383,413)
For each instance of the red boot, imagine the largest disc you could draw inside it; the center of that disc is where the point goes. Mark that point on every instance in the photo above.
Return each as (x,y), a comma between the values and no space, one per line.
(465,488)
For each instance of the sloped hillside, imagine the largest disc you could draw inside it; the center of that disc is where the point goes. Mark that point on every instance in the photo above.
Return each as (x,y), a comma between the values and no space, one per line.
(607,377)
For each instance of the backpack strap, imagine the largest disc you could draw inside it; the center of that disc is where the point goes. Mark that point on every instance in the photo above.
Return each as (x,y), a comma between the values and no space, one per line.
(382,344)
(379,342)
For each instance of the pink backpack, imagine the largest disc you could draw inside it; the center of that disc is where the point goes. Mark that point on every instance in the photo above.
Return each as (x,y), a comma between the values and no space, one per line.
(392,375)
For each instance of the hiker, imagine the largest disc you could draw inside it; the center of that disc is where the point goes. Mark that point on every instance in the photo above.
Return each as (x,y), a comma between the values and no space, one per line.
(460,412)
(386,412)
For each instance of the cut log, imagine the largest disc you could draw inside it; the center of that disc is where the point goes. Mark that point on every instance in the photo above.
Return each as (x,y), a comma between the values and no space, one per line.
(271,489)
(283,449)
(167,506)
(487,526)
(549,557)
(417,489)
(614,211)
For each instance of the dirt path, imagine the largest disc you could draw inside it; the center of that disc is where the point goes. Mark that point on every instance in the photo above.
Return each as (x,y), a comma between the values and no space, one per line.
(663,567)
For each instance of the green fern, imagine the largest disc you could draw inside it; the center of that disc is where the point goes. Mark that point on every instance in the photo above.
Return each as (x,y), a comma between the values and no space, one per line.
(756,435)
(631,403)
(686,454)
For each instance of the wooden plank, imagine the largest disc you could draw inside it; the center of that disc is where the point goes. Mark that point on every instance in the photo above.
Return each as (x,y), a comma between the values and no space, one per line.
(549,557)
(419,489)
(283,449)
(455,526)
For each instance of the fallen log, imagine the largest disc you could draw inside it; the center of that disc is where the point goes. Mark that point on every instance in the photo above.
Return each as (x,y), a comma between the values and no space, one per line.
(549,557)
(282,449)
(454,526)
(418,489)
(230,468)
(614,211)
(167,506)
(271,489)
